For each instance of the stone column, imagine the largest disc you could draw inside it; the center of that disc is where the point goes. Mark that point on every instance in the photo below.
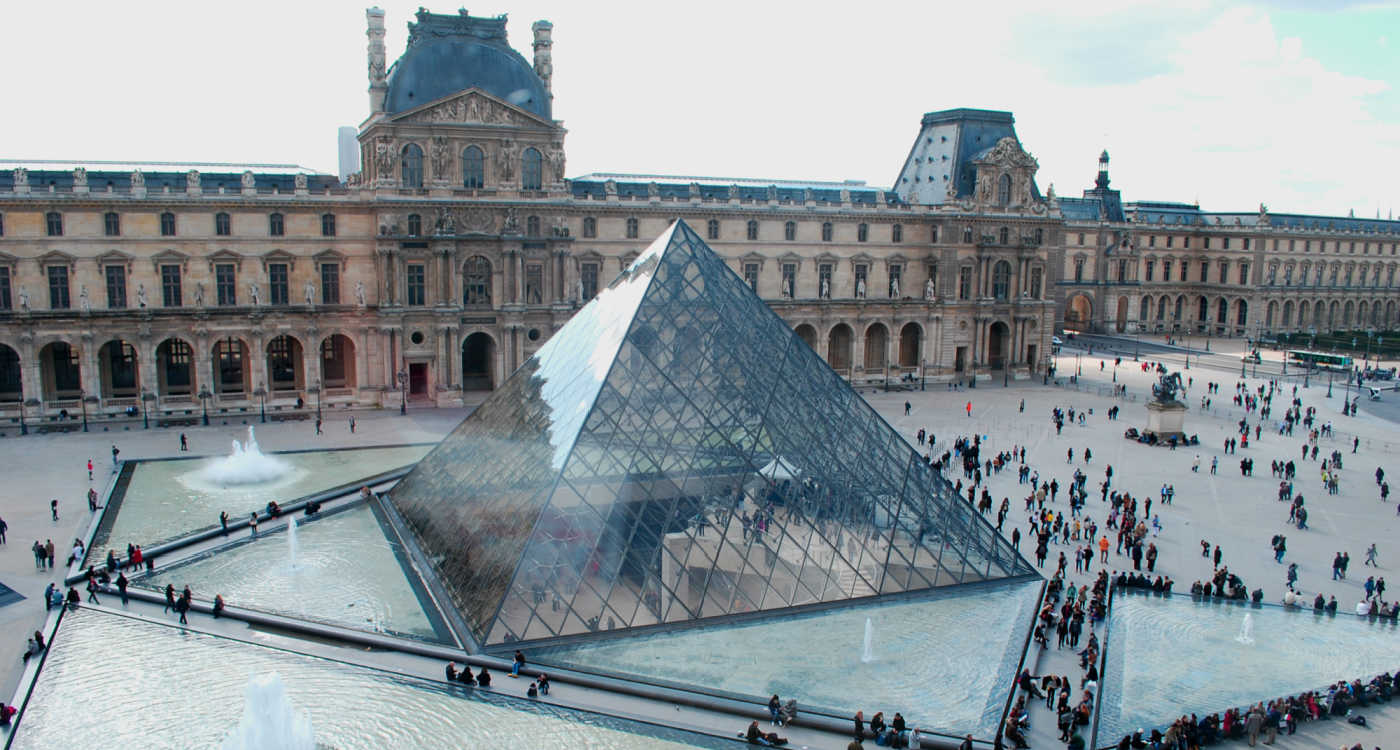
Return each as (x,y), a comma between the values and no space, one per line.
(257,354)
(858,349)
(146,367)
(311,360)
(91,376)
(203,363)
(518,289)
(31,374)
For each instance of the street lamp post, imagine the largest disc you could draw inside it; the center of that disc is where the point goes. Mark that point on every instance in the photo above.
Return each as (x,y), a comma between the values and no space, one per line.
(23,426)
(145,414)
(403,393)
(261,393)
(82,400)
(204,396)
(316,388)
(1187,366)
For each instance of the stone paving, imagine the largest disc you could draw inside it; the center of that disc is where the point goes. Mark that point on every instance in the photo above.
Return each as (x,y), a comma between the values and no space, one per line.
(1239,513)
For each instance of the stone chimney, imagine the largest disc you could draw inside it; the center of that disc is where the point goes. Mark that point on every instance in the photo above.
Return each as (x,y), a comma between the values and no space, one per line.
(544,64)
(378,86)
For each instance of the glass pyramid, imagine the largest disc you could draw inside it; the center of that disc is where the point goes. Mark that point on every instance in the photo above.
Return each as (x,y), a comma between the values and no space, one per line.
(676,452)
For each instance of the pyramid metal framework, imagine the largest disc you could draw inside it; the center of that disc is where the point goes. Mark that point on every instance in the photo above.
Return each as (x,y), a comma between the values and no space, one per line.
(676,452)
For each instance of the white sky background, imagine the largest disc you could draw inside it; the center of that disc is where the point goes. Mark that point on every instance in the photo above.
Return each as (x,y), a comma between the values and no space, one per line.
(1231,105)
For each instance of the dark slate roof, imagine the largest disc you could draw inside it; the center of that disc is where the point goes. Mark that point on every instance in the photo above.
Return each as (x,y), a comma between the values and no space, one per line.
(447,54)
(1079,209)
(678,187)
(156,181)
(978,131)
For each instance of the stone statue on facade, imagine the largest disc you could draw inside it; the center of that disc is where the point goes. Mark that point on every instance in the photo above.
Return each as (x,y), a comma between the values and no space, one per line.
(384,157)
(442,159)
(138,180)
(505,161)
(199,294)
(84,302)
(248,180)
(860,288)
(826,288)
(192,179)
(1167,386)
(23,296)
(21,176)
(894,288)
(929,292)
(310,290)
(254,295)
(299,181)
(512,222)
(360,293)
(555,157)
(141,300)
(80,178)
(787,287)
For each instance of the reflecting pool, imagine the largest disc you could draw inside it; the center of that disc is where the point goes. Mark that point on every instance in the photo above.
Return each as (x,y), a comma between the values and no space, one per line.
(347,573)
(165,689)
(1169,656)
(944,660)
(167,499)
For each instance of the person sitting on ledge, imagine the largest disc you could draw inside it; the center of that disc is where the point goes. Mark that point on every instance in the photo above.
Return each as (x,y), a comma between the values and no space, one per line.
(218,608)
(273,509)
(7,712)
(533,691)
(483,678)
(544,684)
(756,736)
(452,671)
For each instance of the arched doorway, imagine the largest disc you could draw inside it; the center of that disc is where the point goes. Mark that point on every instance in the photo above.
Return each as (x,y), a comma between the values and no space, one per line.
(910,351)
(338,362)
(231,367)
(60,372)
(175,368)
(117,366)
(1079,310)
(11,376)
(998,339)
(478,354)
(877,346)
(838,348)
(808,334)
(1120,322)
(284,364)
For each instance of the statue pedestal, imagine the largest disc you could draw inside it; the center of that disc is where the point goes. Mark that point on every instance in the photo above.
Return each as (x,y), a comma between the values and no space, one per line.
(1166,420)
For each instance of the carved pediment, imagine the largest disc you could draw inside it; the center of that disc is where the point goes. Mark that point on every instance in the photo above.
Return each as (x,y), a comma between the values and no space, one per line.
(473,107)
(327,256)
(225,256)
(279,256)
(114,258)
(56,258)
(169,257)
(753,258)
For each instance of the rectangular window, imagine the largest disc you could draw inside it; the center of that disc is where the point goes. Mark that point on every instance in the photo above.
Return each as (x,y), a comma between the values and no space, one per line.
(1224,272)
(1081,238)
(58,288)
(824,281)
(1246,243)
(1186,242)
(275,225)
(1166,270)
(751,276)
(112,224)
(1151,240)
(221,225)
(1170,240)
(1205,271)
(2,225)
(1035,283)
(1147,270)
(1122,271)
(534,283)
(590,227)
(170,285)
(417,286)
(330,283)
(5,303)
(327,225)
(1184,265)
(116,287)
(965,283)
(1078,270)
(790,280)
(226,284)
(1244,274)
(278,285)
(967,235)
(53,222)
(167,224)
(588,276)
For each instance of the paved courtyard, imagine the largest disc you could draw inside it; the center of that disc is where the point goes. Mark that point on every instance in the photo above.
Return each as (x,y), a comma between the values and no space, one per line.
(1238,513)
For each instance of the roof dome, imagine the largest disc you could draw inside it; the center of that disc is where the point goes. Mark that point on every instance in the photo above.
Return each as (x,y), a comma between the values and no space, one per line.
(447,54)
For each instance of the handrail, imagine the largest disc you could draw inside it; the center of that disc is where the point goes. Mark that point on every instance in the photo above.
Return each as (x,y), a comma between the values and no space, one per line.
(1025,648)
(1103,665)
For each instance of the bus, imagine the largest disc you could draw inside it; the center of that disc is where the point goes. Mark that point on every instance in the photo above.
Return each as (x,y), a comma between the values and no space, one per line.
(1319,360)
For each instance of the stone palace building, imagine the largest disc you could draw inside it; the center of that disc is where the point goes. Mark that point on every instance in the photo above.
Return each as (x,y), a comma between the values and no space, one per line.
(460,247)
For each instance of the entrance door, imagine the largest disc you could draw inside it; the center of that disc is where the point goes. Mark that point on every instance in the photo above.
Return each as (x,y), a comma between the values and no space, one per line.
(998,338)
(418,380)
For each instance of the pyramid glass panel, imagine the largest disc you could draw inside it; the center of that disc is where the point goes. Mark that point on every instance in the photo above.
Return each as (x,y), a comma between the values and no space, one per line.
(674,453)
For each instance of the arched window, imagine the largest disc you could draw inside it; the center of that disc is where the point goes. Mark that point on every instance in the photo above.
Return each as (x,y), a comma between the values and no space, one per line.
(1004,190)
(476,282)
(532,226)
(712,229)
(897,233)
(790,231)
(415,225)
(826,231)
(411,169)
(752,229)
(862,232)
(1242,313)
(632,229)
(1001,280)
(531,170)
(473,168)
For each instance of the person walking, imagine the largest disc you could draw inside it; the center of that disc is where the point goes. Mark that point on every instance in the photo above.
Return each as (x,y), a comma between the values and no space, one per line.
(3,528)
(92,591)
(253,522)
(223,521)
(184,444)
(352,425)
(48,551)
(53,508)
(89,470)
(115,453)
(121,586)
(1103,549)
(169,597)
(318,425)
(969,410)
(1371,556)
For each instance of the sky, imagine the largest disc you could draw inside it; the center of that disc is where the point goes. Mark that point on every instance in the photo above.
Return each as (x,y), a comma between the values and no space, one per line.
(1226,104)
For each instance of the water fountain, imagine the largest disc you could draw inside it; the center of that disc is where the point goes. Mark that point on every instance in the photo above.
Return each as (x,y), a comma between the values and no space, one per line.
(245,464)
(292,542)
(270,722)
(1246,635)
(867,651)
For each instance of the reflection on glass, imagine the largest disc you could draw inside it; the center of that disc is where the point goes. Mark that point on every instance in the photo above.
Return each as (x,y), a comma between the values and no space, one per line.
(675,452)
